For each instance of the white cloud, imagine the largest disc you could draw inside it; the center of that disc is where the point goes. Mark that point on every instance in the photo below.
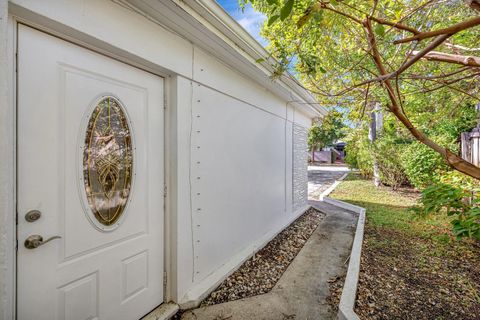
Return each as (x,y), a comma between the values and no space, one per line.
(251,21)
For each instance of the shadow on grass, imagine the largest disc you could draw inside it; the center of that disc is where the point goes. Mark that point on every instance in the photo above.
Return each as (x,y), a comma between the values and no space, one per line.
(355,176)
(406,189)
(401,218)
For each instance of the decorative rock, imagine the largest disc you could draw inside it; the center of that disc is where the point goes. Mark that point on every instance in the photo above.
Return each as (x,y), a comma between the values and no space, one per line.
(260,273)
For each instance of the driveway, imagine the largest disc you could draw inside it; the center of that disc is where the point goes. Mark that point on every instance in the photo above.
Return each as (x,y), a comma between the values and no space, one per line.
(322,177)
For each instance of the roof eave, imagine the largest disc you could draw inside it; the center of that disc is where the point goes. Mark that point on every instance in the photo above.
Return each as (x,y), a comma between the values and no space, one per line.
(206,24)
(256,52)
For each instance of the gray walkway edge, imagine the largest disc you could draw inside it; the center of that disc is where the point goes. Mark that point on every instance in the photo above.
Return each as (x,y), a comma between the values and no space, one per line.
(332,187)
(349,292)
(302,290)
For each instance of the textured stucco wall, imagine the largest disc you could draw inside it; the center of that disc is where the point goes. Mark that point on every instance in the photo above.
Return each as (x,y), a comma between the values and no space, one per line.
(300,155)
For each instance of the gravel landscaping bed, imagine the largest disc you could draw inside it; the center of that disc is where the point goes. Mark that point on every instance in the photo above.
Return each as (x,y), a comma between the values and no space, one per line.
(260,273)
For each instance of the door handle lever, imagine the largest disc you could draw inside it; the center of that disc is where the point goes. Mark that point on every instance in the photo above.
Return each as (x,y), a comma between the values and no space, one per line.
(35,241)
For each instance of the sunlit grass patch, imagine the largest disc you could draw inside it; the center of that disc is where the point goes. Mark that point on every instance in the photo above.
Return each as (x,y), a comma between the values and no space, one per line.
(389,208)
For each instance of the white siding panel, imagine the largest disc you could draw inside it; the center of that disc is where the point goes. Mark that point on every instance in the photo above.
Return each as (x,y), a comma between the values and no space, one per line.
(289,167)
(290,112)
(211,72)
(237,177)
(180,134)
(302,119)
(119,27)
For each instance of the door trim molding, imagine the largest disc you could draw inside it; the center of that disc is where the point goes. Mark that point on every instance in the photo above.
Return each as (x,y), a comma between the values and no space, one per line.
(9,150)
(8,184)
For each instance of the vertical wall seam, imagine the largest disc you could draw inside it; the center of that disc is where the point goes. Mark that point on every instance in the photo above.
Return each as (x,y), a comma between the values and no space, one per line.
(194,177)
(293,158)
(190,177)
(286,156)
(194,164)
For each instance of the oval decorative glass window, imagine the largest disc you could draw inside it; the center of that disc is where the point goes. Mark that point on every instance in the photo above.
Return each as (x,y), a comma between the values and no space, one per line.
(107,161)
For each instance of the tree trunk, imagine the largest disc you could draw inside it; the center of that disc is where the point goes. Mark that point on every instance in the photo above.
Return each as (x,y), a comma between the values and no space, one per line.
(452,159)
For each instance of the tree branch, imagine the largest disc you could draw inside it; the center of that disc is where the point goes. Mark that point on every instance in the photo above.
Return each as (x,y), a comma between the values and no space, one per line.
(435,43)
(324,5)
(443,75)
(456,47)
(453,160)
(448,83)
(450,30)
(396,25)
(474,4)
(469,61)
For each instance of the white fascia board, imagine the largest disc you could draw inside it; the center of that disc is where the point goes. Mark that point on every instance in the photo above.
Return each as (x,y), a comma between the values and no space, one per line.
(255,50)
(208,26)
(244,41)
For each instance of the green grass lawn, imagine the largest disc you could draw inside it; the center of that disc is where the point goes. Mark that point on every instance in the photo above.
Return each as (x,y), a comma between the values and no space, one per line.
(392,208)
(412,268)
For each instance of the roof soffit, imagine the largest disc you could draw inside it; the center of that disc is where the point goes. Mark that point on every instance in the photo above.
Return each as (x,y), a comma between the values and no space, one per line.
(208,26)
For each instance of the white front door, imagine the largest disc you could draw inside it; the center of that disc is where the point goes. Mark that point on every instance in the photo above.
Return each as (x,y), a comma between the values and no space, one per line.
(90,171)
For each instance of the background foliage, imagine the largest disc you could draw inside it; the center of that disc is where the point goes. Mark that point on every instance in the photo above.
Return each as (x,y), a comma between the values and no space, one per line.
(330,55)
(326,132)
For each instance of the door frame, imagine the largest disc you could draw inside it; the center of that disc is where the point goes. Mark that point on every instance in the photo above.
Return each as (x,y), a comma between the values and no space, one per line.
(18,16)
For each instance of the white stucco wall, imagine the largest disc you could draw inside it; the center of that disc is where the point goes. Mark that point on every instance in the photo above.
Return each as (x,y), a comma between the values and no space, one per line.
(242,177)
(235,162)
(237,176)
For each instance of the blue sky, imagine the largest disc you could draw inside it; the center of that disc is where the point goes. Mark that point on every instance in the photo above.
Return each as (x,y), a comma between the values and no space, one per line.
(249,19)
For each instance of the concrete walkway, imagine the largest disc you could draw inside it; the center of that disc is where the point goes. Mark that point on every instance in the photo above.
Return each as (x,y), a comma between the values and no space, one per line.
(302,290)
(322,177)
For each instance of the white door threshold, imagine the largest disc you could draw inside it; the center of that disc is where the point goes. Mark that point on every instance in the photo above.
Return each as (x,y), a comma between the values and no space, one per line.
(162,312)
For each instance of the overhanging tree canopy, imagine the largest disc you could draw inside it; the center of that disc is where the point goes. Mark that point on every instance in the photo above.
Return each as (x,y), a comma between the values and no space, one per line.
(417,57)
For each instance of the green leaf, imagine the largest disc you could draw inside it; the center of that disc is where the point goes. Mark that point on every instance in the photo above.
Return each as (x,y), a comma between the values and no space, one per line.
(272,19)
(286,10)
(304,19)
(259,60)
(322,70)
(380,30)
(271,2)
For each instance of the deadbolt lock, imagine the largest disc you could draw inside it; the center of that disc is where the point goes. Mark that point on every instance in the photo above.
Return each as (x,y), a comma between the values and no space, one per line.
(33,215)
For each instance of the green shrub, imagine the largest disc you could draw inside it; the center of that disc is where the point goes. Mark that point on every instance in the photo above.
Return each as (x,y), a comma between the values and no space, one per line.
(401,159)
(387,152)
(422,165)
(455,201)
(359,152)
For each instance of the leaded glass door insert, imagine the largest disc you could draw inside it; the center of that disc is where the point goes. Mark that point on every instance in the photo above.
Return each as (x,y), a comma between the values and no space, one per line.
(107,163)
